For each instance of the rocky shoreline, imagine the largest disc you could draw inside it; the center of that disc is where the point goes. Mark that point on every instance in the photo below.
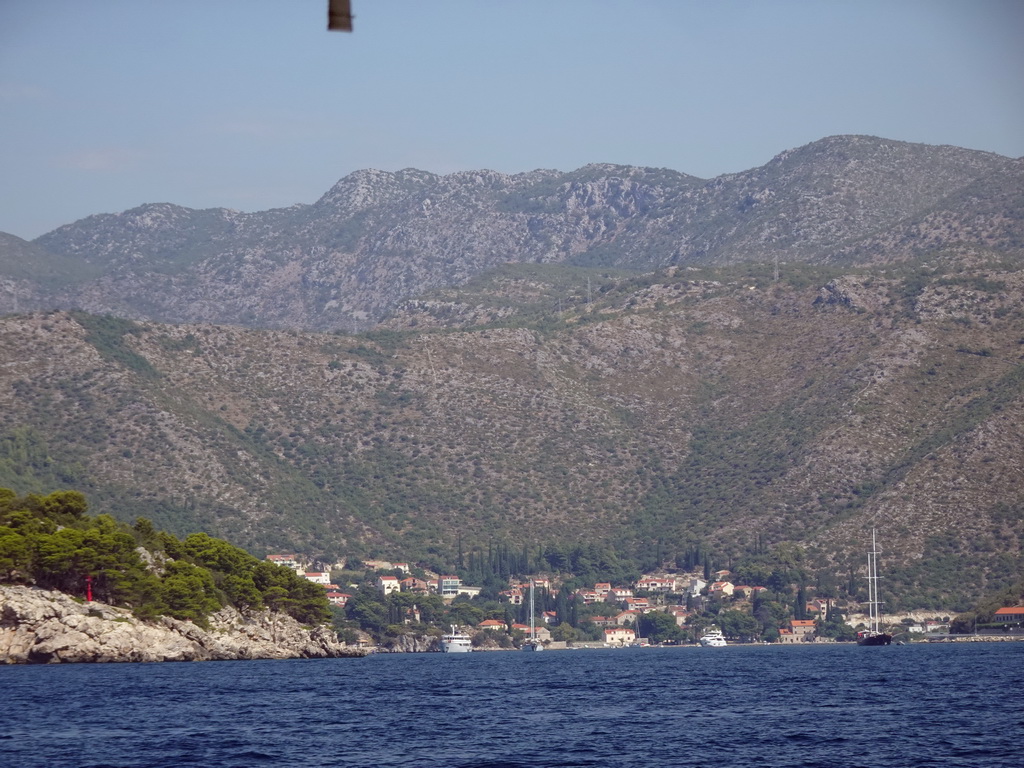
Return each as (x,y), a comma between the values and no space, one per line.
(42,627)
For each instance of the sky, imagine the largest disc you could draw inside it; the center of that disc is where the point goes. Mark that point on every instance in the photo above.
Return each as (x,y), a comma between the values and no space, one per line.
(252,104)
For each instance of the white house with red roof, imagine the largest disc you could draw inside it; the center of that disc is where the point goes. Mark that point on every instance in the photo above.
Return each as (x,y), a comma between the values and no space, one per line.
(290,560)
(798,631)
(512,596)
(412,584)
(1009,615)
(638,604)
(721,588)
(680,615)
(388,584)
(656,584)
(618,594)
(318,577)
(619,636)
(802,628)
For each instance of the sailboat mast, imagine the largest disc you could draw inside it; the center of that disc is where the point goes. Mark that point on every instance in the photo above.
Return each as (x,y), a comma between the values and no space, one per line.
(873,584)
(873,635)
(533,628)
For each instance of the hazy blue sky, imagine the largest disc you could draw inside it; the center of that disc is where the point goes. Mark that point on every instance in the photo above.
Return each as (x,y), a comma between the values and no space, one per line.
(252,104)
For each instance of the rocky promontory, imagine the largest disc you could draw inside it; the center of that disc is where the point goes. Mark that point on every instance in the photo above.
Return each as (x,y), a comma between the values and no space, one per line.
(43,627)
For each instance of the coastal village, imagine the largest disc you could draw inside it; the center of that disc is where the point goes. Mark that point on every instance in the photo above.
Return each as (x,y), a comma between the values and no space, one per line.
(610,614)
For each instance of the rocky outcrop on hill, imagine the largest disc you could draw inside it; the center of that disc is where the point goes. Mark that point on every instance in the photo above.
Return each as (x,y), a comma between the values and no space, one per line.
(43,627)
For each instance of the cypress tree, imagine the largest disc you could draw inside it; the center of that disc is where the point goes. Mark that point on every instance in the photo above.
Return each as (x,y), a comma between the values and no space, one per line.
(561,607)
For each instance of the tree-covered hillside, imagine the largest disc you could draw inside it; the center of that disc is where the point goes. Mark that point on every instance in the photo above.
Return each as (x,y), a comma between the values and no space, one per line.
(50,542)
(558,406)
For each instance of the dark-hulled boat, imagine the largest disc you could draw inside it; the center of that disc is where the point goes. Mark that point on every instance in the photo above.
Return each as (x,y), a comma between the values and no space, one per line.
(873,635)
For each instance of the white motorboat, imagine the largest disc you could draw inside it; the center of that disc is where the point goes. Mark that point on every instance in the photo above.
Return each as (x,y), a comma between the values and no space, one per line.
(456,642)
(713,638)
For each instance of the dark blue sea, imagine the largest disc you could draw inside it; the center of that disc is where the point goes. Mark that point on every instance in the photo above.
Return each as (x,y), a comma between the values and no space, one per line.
(902,706)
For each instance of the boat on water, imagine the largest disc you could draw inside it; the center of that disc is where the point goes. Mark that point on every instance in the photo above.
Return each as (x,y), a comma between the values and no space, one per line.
(533,644)
(456,642)
(873,635)
(713,638)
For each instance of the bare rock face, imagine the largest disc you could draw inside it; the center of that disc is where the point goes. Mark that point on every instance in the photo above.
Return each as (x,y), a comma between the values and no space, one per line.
(412,644)
(42,627)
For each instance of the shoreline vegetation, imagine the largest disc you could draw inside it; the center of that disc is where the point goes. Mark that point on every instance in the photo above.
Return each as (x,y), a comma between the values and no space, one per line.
(80,588)
(76,588)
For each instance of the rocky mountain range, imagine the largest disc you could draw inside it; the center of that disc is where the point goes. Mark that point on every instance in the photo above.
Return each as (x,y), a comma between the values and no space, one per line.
(632,358)
(377,238)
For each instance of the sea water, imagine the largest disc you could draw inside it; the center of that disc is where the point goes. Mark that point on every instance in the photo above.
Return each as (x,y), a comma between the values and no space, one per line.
(840,705)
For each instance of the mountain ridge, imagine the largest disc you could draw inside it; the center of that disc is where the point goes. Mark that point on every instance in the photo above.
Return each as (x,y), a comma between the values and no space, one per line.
(377,238)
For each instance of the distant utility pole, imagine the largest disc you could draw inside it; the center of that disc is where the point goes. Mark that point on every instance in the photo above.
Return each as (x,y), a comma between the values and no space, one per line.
(776,267)
(588,290)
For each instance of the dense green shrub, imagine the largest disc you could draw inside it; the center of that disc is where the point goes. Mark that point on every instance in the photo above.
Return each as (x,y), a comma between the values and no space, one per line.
(51,542)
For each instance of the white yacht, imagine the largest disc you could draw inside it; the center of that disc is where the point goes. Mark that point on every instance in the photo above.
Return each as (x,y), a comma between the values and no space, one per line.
(456,642)
(713,638)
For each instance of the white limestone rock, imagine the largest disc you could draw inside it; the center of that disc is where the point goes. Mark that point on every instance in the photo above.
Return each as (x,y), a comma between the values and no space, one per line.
(40,626)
